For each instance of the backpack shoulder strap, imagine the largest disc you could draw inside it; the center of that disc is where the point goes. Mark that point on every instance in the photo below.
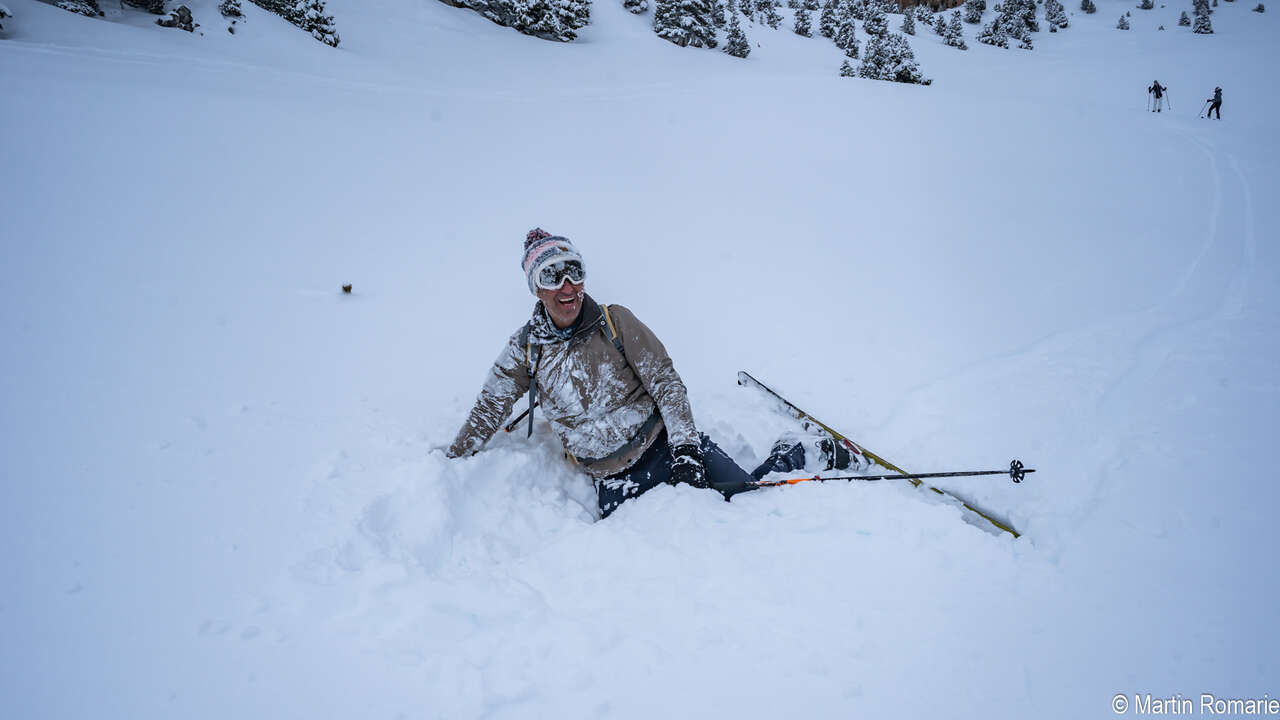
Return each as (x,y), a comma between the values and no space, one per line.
(531,359)
(610,331)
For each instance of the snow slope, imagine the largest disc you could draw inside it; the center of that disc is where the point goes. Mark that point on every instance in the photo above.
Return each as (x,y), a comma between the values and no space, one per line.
(221,493)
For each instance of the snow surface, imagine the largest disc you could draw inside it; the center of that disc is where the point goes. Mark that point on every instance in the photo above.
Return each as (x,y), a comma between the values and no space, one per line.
(221,489)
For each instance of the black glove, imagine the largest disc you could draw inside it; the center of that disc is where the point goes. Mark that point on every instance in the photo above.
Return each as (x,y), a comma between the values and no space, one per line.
(687,466)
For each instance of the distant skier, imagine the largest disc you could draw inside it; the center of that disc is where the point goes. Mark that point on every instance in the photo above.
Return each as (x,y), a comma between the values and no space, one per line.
(615,400)
(1217,103)
(1158,91)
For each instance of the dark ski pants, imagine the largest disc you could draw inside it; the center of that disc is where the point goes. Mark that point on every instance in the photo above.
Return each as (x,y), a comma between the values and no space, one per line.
(654,468)
(1216,106)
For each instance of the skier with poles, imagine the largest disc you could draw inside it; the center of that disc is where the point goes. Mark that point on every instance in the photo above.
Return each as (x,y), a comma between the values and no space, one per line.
(1157,92)
(610,392)
(1217,103)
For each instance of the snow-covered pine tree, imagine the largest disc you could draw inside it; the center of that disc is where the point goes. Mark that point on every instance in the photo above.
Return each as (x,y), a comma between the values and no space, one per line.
(858,9)
(847,37)
(736,44)
(924,14)
(803,25)
(875,22)
(993,34)
(1088,7)
(1055,14)
(1260,8)
(1184,21)
(846,70)
(955,32)
(827,20)
(769,13)
(687,23)
(973,12)
(4,14)
(1202,25)
(747,8)
(1027,13)
(88,8)
(812,5)
(636,7)
(794,4)
(719,13)
(1146,5)
(312,18)
(889,57)
(155,7)
(1123,24)
(230,9)
(908,24)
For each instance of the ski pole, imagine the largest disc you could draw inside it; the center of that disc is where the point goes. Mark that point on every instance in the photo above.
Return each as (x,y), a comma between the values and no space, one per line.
(1202,109)
(1169,98)
(1016,472)
(512,425)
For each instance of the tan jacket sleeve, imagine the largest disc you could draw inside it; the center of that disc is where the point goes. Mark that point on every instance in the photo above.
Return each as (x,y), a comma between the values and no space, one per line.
(507,382)
(649,359)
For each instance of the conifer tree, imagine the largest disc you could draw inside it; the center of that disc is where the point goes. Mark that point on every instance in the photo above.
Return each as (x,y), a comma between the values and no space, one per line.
(155,7)
(1260,8)
(973,11)
(230,9)
(889,57)
(858,9)
(803,25)
(955,32)
(88,8)
(769,13)
(1088,6)
(1146,5)
(687,23)
(811,5)
(827,20)
(993,34)
(1055,14)
(1123,24)
(847,38)
(1202,25)
(875,24)
(1184,21)
(846,70)
(736,44)
(636,7)
(747,8)
(908,24)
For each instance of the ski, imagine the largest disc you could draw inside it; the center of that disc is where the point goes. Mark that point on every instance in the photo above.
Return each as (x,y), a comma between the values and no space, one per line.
(865,456)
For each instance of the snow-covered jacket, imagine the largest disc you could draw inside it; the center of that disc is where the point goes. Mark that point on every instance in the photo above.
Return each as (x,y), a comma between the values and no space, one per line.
(606,408)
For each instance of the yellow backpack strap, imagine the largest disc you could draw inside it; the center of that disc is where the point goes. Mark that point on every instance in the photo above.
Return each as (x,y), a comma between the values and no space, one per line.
(612,333)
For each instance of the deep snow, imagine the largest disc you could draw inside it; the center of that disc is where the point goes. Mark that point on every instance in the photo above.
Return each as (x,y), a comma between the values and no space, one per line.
(220,482)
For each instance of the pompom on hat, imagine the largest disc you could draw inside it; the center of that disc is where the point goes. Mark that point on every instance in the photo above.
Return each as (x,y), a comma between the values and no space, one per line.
(541,248)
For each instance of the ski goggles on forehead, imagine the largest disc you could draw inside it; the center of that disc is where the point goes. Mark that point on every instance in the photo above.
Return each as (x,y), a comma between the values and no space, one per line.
(553,275)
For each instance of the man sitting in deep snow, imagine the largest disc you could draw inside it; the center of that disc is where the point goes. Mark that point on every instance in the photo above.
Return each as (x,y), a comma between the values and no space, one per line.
(610,392)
